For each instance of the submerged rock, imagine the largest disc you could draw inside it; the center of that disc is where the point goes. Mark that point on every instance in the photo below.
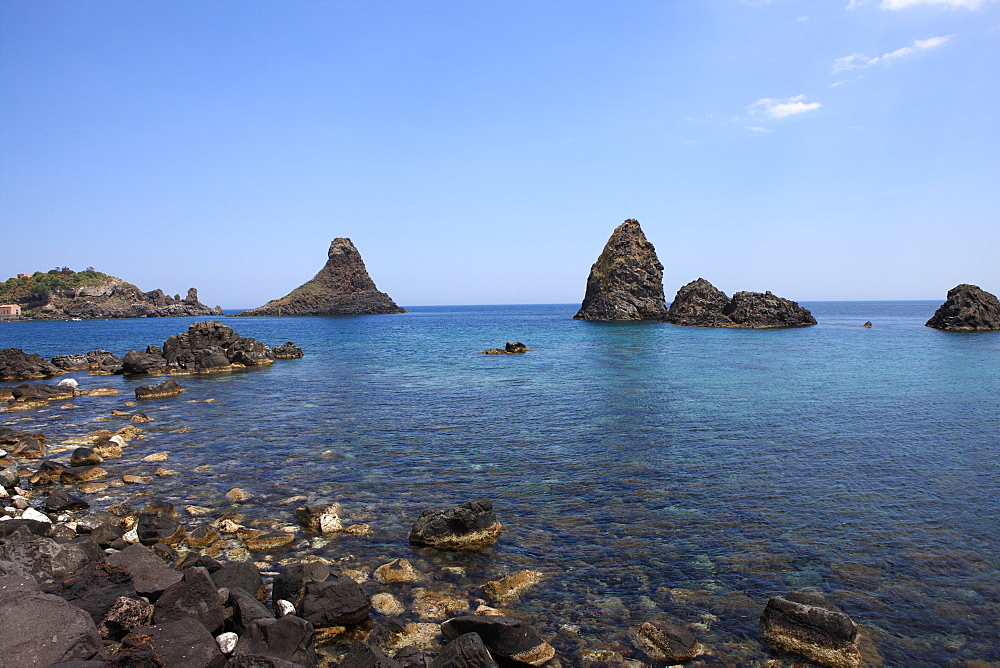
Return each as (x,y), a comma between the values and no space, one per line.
(967,308)
(504,637)
(808,625)
(664,642)
(626,282)
(466,526)
(342,287)
(701,304)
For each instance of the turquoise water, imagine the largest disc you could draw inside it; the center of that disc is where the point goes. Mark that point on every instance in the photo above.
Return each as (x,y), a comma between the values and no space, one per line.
(643,468)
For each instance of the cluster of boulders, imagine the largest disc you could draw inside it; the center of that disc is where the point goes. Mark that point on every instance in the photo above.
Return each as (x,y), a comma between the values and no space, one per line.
(512,348)
(701,304)
(33,395)
(206,347)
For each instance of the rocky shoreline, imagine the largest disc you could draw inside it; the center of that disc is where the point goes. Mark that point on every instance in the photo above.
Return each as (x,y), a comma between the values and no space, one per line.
(86,539)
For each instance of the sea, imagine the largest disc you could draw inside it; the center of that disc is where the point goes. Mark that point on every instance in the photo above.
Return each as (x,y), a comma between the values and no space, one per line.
(646,470)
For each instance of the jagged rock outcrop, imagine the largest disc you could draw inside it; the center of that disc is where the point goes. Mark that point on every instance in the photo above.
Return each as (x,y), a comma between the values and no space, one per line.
(207,347)
(701,304)
(15,364)
(968,308)
(63,293)
(807,624)
(342,287)
(626,282)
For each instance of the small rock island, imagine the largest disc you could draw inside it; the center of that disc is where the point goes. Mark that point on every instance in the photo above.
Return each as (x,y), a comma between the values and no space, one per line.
(626,282)
(342,287)
(967,308)
(701,304)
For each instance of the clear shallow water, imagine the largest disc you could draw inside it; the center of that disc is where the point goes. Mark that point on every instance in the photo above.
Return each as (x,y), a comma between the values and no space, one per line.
(644,468)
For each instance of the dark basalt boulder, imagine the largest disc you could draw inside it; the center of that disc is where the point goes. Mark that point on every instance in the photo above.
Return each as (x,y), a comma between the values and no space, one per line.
(31,395)
(150,575)
(967,308)
(242,574)
(159,528)
(512,348)
(342,287)
(71,362)
(288,351)
(137,362)
(104,362)
(168,388)
(195,596)
(95,588)
(363,655)
(60,500)
(85,457)
(183,642)
(337,601)
(244,608)
(807,624)
(504,637)
(46,559)
(289,638)
(15,364)
(290,583)
(701,304)
(39,629)
(465,651)
(626,282)
(466,526)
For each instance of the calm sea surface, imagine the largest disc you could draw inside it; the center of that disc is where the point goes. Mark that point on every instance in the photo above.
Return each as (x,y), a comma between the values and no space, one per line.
(644,468)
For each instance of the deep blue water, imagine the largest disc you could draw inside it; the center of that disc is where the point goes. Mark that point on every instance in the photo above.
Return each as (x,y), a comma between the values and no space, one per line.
(644,468)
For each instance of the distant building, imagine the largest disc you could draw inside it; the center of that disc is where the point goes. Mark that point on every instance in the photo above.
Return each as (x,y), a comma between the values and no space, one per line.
(24,275)
(10,311)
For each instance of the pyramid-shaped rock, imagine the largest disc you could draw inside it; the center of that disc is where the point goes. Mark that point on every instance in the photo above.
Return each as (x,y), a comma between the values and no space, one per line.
(626,282)
(342,287)
(968,307)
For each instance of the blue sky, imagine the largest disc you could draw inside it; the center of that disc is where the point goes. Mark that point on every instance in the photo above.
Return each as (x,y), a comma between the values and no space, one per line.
(482,152)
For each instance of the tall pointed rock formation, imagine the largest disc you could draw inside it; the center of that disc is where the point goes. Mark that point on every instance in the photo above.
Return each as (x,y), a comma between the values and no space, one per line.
(626,282)
(342,287)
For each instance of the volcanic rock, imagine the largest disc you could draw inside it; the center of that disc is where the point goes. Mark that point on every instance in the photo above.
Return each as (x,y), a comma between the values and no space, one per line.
(503,636)
(182,642)
(626,282)
(39,629)
(15,364)
(137,362)
(701,304)
(95,588)
(46,559)
(342,287)
(469,525)
(289,638)
(967,308)
(807,624)
(337,601)
(290,583)
(363,655)
(244,575)
(150,575)
(465,651)
(288,351)
(196,596)
(168,388)
(666,643)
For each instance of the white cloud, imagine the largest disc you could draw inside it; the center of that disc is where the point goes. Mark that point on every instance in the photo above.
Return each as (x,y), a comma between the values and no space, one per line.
(905,4)
(856,60)
(758,129)
(776,108)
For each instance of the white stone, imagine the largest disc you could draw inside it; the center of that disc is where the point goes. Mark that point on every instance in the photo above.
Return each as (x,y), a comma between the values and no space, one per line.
(3,492)
(68,382)
(131,536)
(329,523)
(227,642)
(117,439)
(284,607)
(3,453)
(32,514)
(64,518)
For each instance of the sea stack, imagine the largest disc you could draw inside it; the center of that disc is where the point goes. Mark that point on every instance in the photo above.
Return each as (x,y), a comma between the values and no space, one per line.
(701,304)
(342,287)
(968,308)
(626,282)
